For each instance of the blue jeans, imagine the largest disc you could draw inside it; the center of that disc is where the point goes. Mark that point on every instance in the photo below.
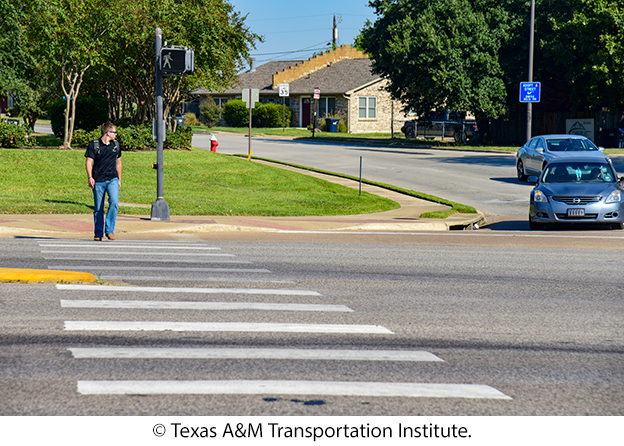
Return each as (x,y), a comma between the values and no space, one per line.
(100,190)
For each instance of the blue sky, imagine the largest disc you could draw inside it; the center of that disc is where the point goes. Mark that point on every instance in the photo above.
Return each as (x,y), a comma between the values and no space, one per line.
(294,29)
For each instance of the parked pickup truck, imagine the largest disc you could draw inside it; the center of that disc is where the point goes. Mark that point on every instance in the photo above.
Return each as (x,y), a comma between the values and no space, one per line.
(461,130)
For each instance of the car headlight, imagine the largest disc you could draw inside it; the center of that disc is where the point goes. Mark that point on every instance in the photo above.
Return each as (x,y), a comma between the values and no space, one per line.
(614,197)
(540,197)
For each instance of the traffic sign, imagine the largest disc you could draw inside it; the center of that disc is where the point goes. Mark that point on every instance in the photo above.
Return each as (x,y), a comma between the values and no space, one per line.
(530,91)
(317,93)
(255,97)
(284,90)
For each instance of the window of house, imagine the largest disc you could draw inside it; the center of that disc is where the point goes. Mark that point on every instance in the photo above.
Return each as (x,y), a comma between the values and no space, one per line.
(367,107)
(327,106)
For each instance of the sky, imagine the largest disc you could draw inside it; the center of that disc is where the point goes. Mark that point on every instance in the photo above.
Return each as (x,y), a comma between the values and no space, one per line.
(295,30)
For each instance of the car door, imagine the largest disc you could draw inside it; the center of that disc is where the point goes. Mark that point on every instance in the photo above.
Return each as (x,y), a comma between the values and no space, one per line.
(531,155)
(540,153)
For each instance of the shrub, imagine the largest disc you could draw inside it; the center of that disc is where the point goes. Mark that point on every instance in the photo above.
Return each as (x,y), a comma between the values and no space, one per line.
(270,115)
(210,112)
(91,113)
(236,114)
(13,135)
(191,119)
(182,138)
(138,138)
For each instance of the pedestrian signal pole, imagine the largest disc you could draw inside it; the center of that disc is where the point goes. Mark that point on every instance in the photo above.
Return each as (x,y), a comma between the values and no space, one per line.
(169,61)
(160,208)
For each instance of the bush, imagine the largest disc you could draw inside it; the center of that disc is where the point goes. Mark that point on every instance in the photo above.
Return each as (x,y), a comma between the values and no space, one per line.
(182,138)
(270,115)
(210,112)
(236,114)
(191,119)
(13,135)
(91,113)
(138,138)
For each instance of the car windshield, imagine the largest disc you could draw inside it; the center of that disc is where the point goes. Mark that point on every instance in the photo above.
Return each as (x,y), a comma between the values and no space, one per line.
(577,172)
(570,145)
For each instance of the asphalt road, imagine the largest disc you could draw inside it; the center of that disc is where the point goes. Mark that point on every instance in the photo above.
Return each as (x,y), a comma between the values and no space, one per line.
(467,323)
(484,180)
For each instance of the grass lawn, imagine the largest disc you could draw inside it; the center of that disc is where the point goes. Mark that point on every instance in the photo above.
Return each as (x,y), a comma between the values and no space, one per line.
(196,182)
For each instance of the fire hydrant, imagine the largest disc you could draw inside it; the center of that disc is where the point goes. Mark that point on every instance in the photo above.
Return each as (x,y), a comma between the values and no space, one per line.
(213,143)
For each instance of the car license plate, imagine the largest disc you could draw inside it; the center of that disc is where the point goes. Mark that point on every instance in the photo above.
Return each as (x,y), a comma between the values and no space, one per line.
(576,212)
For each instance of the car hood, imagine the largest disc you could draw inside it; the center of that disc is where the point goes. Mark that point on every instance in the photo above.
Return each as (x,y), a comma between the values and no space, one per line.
(580,154)
(580,189)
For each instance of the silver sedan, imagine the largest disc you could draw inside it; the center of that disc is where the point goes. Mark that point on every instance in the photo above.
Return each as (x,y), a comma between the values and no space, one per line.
(535,154)
(577,190)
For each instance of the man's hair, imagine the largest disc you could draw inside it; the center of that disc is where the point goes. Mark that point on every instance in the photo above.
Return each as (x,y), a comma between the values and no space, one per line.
(107,127)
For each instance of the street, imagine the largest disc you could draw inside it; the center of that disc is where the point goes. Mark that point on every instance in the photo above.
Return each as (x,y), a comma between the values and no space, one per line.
(485,180)
(326,324)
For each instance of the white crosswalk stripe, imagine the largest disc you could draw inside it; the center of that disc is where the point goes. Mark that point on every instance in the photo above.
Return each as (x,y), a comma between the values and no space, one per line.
(67,255)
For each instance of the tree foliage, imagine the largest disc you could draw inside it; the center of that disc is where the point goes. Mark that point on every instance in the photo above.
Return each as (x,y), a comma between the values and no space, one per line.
(472,55)
(440,54)
(110,45)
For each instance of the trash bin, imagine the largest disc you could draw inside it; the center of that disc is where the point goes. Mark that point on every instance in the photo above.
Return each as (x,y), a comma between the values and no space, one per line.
(332,124)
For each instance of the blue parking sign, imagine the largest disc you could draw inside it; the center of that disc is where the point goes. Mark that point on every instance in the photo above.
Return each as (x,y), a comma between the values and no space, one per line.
(530,91)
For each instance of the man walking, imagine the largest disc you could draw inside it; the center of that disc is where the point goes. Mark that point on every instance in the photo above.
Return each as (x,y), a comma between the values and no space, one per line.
(104,172)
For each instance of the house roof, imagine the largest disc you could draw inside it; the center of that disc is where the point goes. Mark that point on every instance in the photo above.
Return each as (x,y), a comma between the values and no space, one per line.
(261,78)
(337,77)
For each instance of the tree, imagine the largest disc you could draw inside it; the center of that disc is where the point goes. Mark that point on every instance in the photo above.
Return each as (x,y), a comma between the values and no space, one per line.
(69,35)
(441,54)
(21,75)
(583,43)
(216,33)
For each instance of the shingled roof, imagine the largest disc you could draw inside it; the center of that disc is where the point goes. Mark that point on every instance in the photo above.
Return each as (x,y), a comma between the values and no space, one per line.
(335,72)
(337,78)
(261,78)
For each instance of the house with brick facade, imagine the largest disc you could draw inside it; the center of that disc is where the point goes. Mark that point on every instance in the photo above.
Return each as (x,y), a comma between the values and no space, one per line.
(347,87)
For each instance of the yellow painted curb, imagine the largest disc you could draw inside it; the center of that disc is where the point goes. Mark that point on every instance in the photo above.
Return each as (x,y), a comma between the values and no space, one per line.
(43,275)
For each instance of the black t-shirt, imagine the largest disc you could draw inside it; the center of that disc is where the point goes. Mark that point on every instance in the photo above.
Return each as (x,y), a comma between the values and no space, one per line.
(104,160)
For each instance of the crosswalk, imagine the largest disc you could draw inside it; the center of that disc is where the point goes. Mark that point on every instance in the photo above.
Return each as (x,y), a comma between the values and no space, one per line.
(173,262)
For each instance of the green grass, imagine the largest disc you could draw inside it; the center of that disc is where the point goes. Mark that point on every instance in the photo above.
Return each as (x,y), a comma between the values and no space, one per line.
(454,207)
(196,182)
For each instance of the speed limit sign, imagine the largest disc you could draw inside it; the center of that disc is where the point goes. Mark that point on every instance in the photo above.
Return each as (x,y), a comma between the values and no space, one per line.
(283,90)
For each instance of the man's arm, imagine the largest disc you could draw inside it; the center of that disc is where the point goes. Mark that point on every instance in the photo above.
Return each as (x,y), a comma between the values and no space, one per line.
(119,171)
(89,167)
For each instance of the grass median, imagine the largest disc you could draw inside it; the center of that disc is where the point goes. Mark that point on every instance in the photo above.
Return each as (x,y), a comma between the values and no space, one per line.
(196,182)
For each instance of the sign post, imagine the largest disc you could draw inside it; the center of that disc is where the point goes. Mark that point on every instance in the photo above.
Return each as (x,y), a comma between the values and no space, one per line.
(284,92)
(317,96)
(250,97)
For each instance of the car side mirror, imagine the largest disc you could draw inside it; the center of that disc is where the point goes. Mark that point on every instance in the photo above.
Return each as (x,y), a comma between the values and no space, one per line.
(601,149)
(534,179)
(540,150)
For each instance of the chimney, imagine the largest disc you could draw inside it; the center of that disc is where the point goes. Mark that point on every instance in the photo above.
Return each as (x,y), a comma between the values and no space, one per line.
(253,65)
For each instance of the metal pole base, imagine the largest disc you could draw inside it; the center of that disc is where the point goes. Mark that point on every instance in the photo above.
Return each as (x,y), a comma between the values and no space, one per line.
(160,210)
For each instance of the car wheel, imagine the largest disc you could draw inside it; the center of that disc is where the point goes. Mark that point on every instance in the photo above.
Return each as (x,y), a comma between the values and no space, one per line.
(460,136)
(520,171)
(618,226)
(410,133)
(535,226)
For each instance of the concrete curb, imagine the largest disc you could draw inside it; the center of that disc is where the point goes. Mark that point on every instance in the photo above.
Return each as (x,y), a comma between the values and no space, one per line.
(43,275)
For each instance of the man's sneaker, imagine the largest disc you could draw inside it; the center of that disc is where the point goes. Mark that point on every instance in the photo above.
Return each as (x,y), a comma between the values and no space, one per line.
(110,236)
(97,239)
